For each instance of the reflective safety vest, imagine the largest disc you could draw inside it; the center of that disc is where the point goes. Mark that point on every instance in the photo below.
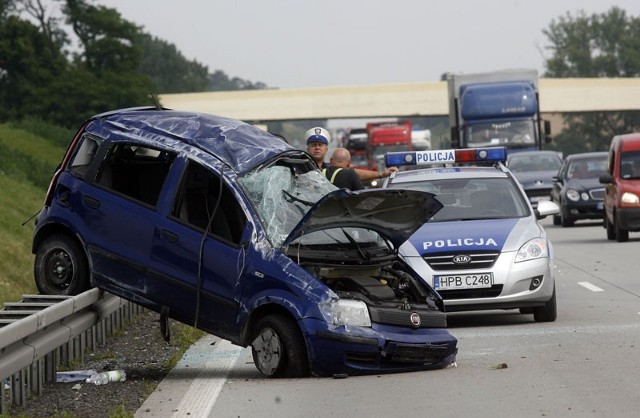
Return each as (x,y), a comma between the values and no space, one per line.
(333,176)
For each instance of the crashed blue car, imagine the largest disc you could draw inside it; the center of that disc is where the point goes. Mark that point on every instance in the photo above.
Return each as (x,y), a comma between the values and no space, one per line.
(227,228)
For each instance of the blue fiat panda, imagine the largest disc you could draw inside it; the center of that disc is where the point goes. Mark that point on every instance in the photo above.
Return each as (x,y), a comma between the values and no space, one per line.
(222,226)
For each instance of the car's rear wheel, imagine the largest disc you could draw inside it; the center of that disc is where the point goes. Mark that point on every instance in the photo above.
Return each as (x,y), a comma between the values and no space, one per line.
(278,348)
(566,218)
(61,267)
(622,235)
(556,219)
(611,233)
(548,312)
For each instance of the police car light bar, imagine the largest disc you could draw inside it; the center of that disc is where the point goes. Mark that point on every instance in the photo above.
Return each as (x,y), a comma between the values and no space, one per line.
(448,156)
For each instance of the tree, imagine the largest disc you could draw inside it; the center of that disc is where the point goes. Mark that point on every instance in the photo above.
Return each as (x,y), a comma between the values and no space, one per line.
(600,45)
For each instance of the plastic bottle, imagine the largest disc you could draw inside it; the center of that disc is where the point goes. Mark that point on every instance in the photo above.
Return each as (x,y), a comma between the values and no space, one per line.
(106,377)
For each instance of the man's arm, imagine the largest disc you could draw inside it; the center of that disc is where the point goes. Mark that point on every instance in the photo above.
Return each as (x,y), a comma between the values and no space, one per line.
(367,175)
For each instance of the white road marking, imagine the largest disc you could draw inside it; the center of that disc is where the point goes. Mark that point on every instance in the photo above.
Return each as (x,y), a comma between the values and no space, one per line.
(590,286)
(203,392)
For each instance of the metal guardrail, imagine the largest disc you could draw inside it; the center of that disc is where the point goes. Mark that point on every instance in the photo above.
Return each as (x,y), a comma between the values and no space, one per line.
(42,332)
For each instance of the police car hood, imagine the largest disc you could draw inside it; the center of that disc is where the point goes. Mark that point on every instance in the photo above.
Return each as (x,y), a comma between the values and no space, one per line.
(475,235)
(394,214)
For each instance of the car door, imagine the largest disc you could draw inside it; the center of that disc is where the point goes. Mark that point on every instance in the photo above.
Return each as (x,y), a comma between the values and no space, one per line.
(197,261)
(115,212)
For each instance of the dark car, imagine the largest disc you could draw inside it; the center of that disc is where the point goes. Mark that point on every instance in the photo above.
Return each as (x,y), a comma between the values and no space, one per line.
(225,227)
(577,189)
(535,170)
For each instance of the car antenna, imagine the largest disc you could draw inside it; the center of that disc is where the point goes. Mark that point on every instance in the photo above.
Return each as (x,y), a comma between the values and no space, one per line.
(156,102)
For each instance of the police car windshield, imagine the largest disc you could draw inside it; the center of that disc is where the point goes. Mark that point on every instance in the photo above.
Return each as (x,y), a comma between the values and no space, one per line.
(472,198)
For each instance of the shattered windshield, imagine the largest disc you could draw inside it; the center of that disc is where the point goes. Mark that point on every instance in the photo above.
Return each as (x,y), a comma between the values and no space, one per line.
(282,196)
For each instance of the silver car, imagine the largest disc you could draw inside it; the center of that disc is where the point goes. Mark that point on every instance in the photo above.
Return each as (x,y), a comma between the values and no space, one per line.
(485,249)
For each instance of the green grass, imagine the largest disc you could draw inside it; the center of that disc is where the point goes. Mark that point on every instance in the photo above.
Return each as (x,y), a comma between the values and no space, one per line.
(27,162)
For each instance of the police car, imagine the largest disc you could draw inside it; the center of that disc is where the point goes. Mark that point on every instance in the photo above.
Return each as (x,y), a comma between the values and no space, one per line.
(485,248)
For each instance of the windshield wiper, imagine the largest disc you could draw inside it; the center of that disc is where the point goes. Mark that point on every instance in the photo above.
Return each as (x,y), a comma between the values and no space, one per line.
(365,257)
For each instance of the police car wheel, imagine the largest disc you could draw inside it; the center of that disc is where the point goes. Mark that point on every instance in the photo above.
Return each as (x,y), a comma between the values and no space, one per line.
(548,312)
(278,348)
(61,267)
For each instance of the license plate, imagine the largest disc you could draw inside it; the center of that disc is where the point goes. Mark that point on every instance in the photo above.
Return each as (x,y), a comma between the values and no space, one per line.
(463,281)
(539,198)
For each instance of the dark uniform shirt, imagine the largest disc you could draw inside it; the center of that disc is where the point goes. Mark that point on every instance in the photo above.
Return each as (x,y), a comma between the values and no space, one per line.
(344,178)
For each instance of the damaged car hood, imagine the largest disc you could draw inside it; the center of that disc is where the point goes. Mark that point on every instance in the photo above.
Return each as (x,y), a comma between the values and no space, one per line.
(394,214)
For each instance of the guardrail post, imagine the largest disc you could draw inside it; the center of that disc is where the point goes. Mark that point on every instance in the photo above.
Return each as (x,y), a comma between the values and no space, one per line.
(18,388)
(50,366)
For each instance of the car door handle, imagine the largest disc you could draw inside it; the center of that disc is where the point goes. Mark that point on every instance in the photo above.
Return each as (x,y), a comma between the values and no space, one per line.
(169,236)
(91,202)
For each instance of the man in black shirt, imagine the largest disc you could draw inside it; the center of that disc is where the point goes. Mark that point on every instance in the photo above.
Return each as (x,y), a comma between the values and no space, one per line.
(339,171)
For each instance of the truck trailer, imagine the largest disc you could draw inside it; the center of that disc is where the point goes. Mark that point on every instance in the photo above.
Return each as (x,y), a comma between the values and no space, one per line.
(500,108)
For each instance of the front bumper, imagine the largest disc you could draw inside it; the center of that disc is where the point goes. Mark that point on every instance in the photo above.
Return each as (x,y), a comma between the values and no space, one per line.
(379,349)
(629,218)
(584,209)
(512,286)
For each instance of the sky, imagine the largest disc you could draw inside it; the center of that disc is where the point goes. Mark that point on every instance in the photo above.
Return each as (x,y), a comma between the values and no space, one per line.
(320,43)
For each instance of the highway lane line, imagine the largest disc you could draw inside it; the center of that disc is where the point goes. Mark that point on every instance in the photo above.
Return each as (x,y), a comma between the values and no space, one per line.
(192,387)
(590,286)
(203,392)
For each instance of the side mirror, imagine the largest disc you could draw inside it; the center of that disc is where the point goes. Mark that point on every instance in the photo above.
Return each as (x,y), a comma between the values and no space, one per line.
(546,208)
(605,179)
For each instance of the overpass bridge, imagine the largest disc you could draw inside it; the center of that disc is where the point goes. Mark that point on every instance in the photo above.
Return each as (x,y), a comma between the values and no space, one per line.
(559,95)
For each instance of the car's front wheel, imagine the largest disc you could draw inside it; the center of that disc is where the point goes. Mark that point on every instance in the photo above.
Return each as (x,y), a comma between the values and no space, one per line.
(566,218)
(548,312)
(61,267)
(278,348)
(611,233)
(622,235)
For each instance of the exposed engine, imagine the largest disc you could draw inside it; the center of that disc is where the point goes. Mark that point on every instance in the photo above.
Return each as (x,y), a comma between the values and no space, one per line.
(377,285)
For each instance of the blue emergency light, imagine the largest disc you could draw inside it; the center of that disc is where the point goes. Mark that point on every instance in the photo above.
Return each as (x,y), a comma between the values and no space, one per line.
(448,156)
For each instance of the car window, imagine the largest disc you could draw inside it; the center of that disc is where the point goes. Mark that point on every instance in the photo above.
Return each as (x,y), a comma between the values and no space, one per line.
(534,162)
(630,165)
(476,198)
(135,171)
(207,203)
(84,154)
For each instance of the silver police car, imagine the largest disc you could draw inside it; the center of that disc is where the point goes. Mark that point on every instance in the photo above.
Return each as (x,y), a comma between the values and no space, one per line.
(485,249)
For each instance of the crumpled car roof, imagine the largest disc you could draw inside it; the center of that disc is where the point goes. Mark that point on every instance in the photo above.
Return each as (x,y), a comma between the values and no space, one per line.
(239,145)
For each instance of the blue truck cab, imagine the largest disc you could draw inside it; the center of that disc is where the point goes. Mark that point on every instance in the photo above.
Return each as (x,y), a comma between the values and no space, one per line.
(496,109)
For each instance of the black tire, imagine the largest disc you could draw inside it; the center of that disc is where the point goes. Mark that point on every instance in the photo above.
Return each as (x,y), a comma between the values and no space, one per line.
(61,267)
(556,219)
(548,312)
(565,217)
(622,235)
(278,348)
(611,233)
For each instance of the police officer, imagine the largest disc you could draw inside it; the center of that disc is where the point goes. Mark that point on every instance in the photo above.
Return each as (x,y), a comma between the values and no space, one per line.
(340,172)
(318,145)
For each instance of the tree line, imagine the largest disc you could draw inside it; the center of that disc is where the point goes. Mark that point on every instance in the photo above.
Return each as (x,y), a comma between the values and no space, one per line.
(63,61)
(73,59)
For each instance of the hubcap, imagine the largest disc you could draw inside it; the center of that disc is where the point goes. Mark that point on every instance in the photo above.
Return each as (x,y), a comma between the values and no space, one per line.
(268,351)
(59,268)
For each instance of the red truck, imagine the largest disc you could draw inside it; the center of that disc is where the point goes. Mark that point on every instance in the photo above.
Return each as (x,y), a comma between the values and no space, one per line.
(383,137)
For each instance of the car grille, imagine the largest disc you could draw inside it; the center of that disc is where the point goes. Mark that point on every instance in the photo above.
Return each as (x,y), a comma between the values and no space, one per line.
(492,292)
(395,316)
(394,353)
(479,260)
(597,194)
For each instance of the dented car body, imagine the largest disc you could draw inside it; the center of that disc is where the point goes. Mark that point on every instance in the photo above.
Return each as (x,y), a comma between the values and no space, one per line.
(224,227)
